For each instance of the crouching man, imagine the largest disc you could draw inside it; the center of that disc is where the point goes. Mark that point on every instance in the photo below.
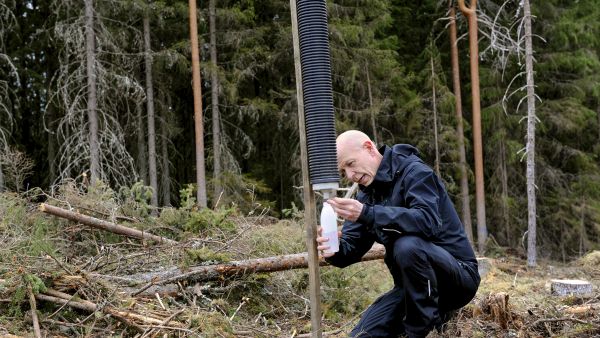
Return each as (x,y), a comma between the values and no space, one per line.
(403,205)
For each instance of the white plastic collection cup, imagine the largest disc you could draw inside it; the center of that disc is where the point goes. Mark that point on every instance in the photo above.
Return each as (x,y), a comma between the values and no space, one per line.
(329,228)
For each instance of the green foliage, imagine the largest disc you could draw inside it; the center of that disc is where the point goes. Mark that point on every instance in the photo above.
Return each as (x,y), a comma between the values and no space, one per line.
(186,196)
(136,200)
(204,255)
(207,221)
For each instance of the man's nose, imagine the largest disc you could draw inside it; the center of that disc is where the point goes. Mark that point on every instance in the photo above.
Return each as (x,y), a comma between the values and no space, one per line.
(350,174)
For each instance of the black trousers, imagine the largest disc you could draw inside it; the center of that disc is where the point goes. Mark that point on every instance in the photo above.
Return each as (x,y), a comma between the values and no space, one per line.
(432,283)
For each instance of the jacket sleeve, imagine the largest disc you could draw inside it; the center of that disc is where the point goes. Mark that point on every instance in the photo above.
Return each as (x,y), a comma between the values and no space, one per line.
(356,240)
(421,214)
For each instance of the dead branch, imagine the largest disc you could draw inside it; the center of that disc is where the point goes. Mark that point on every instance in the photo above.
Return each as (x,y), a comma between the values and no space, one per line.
(240,268)
(101,224)
(564,319)
(128,316)
(34,317)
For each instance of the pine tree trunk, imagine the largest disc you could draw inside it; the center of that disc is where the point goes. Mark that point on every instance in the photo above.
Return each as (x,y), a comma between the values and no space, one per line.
(371,108)
(198,123)
(471,14)
(1,176)
(531,203)
(216,118)
(92,95)
(464,178)
(165,177)
(52,120)
(435,127)
(141,145)
(504,177)
(150,109)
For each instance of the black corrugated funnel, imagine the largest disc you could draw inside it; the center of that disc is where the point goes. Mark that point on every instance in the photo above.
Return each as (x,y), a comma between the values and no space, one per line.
(317,93)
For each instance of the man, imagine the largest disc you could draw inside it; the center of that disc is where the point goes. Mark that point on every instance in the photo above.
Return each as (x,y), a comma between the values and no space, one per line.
(403,205)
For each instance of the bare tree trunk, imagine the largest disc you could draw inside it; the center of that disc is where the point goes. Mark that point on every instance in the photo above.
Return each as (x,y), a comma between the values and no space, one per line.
(150,109)
(101,224)
(166,181)
(531,203)
(198,122)
(373,124)
(504,177)
(471,14)
(582,241)
(435,124)
(92,104)
(1,176)
(464,178)
(216,117)
(141,145)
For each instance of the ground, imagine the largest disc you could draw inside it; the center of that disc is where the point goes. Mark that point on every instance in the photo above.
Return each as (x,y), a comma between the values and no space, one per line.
(59,258)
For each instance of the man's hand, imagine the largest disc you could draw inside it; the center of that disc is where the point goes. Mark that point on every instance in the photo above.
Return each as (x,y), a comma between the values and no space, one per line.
(347,208)
(322,243)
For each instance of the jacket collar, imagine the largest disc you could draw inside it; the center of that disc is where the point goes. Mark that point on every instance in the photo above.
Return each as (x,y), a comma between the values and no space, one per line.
(393,162)
(385,172)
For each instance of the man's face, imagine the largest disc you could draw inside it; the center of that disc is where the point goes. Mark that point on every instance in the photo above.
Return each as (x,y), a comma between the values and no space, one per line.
(358,163)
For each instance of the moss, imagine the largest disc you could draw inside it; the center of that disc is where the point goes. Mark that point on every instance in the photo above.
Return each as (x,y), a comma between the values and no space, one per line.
(211,324)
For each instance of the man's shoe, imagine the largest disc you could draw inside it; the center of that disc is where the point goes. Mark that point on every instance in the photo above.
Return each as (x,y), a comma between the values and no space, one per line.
(445,317)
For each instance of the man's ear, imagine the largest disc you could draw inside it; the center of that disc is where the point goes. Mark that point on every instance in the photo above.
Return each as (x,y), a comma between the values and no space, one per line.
(369,146)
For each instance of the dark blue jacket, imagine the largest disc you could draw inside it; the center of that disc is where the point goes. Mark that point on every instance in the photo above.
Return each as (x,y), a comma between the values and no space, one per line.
(405,198)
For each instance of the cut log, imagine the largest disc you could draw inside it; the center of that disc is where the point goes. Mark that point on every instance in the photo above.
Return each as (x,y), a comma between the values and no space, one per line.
(101,224)
(571,287)
(239,268)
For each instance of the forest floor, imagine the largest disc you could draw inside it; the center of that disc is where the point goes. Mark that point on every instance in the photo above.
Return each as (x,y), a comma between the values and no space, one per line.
(86,282)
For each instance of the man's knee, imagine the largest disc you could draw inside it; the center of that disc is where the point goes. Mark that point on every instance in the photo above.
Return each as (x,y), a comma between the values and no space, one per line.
(409,250)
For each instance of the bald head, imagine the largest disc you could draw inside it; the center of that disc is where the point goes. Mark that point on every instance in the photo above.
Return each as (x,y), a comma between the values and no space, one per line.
(352,139)
(358,158)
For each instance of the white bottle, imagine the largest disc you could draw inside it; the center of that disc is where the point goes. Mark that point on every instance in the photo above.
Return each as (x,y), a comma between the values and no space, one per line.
(329,228)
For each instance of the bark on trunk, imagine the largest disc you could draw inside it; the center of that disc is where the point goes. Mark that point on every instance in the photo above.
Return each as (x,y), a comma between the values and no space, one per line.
(531,203)
(150,109)
(240,268)
(216,117)
(435,123)
(1,177)
(92,96)
(464,177)
(471,14)
(504,177)
(141,145)
(371,108)
(101,224)
(166,180)
(198,123)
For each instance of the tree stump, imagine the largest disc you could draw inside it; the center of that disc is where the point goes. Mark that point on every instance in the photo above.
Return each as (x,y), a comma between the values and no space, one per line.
(571,287)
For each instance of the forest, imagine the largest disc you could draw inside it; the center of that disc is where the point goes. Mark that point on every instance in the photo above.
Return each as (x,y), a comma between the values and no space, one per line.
(97,115)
